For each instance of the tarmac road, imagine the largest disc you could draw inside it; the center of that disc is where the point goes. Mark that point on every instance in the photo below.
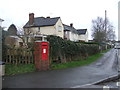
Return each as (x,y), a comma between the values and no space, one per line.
(66,78)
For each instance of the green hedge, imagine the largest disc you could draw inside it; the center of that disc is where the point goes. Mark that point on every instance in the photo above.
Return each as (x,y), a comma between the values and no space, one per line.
(62,51)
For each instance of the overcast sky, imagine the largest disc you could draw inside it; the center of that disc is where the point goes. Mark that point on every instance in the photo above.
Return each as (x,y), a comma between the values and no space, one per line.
(78,12)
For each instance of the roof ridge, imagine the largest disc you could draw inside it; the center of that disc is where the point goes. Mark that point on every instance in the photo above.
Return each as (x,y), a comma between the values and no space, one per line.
(47,18)
(81,29)
(70,26)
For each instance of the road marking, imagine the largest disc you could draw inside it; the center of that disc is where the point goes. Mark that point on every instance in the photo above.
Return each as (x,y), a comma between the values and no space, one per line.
(81,86)
(78,86)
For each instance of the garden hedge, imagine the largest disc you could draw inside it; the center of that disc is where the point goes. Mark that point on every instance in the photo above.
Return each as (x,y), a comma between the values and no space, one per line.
(62,51)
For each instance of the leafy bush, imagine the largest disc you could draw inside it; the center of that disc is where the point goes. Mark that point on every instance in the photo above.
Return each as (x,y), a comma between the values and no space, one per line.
(62,51)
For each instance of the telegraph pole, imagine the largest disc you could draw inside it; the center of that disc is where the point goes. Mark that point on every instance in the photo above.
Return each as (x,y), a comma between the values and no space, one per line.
(105,22)
(105,19)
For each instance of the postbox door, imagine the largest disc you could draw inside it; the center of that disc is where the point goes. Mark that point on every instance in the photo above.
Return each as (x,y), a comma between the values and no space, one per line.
(45,51)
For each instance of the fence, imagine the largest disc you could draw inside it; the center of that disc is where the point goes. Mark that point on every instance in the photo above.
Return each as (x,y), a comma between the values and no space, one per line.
(19,56)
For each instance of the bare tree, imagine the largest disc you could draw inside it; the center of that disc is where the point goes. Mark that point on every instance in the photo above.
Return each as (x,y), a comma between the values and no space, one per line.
(110,33)
(102,30)
(26,36)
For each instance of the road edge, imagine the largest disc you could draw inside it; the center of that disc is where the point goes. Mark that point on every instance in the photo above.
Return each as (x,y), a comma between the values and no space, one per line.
(110,78)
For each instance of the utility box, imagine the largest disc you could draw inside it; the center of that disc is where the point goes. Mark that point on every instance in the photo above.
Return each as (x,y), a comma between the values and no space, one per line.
(2,68)
(41,55)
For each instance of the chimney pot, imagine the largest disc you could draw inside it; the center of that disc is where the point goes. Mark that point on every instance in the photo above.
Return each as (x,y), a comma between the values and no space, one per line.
(31,18)
(48,16)
(71,24)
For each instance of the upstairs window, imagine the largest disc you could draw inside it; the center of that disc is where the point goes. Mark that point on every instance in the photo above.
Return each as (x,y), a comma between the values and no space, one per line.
(59,28)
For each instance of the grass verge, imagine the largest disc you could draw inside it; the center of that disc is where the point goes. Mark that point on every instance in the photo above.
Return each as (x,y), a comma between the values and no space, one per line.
(104,51)
(11,69)
(83,62)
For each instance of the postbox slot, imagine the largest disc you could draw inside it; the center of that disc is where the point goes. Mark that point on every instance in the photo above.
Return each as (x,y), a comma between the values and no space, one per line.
(44,45)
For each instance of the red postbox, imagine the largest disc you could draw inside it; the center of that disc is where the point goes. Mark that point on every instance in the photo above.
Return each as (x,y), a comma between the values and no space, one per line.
(41,55)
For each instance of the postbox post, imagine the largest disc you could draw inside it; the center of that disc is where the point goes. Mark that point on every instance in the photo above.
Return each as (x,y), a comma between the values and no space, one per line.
(41,55)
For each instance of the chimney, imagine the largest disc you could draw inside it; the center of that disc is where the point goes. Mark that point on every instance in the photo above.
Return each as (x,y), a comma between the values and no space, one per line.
(71,24)
(48,16)
(31,18)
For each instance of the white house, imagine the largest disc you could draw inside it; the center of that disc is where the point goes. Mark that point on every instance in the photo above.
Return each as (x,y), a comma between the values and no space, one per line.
(83,35)
(53,26)
(70,33)
(44,26)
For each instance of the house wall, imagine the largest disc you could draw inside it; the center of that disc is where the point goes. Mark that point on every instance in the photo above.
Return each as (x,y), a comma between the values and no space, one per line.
(67,35)
(73,36)
(59,29)
(76,37)
(48,30)
(84,37)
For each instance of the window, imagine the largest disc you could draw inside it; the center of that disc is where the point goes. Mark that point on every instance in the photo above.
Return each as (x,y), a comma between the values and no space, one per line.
(66,32)
(59,28)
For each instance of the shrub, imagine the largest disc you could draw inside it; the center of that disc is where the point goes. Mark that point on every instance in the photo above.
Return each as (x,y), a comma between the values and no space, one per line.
(64,50)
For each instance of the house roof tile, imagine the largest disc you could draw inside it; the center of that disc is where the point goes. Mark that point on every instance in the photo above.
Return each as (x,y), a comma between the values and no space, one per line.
(42,21)
(81,31)
(69,28)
